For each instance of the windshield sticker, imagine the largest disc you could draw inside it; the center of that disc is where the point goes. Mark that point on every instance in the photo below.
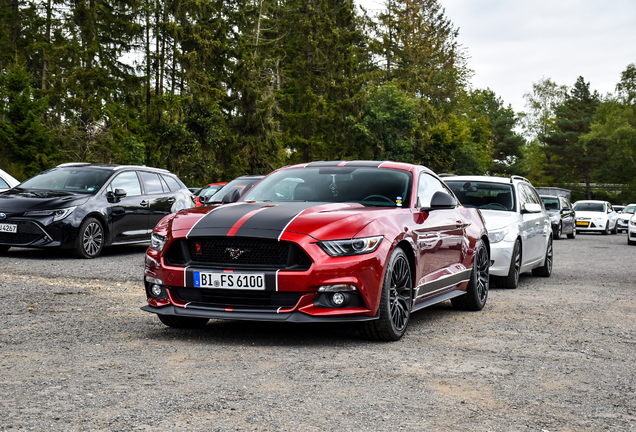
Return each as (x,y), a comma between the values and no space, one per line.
(398,201)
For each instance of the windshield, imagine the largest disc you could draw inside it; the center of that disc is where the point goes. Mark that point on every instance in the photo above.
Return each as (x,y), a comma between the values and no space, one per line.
(483,195)
(373,187)
(629,209)
(550,203)
(70,179)
(588,206)
(239,184)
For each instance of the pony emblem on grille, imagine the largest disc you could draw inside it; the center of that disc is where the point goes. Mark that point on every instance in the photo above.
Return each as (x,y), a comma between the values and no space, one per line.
(236,253)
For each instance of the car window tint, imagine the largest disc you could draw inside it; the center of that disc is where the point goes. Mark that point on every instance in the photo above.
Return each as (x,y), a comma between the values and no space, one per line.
(3,184)
(172,183)
(483,195)
(127,181)
(152,184)
(550,203)
(427,186)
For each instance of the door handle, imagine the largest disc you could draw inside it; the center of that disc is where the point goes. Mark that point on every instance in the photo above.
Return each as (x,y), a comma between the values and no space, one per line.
(143,203)
(171,200)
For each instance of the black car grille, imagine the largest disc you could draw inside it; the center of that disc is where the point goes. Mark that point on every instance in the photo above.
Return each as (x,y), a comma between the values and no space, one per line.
(237,252)
(224,299)
(28,232)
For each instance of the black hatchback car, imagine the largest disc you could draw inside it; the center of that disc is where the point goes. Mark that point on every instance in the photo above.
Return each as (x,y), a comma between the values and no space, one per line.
(85,207)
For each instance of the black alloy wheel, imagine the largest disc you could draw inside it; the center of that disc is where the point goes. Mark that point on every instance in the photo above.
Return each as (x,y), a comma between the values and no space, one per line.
(90,240)
(396,301)
(512,280)
(546,269)
(477,291)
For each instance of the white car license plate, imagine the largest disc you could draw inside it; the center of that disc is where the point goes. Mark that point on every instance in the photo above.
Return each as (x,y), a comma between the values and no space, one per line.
(8,228)
(234,280)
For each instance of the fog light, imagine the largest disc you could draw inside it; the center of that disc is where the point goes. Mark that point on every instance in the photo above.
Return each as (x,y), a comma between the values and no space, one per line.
(156,290)
(338,298)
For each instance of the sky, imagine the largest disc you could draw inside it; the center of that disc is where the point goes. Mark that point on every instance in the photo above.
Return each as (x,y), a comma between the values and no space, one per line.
(513,43)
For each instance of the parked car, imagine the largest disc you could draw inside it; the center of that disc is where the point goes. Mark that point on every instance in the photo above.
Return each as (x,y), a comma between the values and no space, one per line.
(618,208)
(518,225)
(622,223)
(322,242)
(232,191)
(562,217)
(206,191)
(7,181)
(85,207)
(631,231)
(595,216)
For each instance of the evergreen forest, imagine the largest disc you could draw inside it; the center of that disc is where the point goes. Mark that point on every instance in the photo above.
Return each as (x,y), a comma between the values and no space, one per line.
(214,89)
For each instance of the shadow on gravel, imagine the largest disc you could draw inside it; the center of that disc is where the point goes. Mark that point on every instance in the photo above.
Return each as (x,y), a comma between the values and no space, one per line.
(64,254)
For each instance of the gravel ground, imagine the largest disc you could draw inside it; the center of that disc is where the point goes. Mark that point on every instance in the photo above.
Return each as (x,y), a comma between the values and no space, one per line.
(557,354)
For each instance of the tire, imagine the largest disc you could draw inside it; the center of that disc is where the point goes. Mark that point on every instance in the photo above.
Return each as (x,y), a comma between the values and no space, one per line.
(477,291)
(512,280)
(606,230)
(614,231)
(546,269)
(395,302)
(630,242)
(557,234)
(573,234)
(181,322)
(90,240)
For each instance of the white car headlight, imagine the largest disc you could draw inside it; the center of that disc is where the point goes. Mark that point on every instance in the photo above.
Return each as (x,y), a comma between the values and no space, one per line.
(57,214)
(498,235)
(355,246)
(632,223)
(157,242)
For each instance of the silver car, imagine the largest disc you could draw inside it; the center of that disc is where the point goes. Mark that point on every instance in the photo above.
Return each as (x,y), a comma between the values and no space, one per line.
(518,224)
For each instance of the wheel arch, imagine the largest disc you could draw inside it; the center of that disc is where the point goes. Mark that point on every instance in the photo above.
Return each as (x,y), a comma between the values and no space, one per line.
(102,219)
(407,247)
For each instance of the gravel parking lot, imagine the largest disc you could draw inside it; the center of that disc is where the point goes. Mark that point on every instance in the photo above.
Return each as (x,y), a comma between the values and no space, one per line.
(556,354)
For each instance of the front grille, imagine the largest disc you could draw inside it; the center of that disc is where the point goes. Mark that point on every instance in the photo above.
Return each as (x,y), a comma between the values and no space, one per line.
(238,298)
(27,233)
(237,252)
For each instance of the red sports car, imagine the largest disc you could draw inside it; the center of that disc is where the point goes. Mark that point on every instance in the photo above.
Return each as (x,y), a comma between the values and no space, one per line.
(363,241)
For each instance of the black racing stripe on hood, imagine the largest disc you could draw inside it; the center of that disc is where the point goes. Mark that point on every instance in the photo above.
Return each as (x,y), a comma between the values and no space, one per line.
(271,222)
(219,221)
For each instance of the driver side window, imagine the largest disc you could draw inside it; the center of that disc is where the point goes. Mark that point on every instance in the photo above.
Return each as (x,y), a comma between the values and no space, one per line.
(127,181)
(426,187)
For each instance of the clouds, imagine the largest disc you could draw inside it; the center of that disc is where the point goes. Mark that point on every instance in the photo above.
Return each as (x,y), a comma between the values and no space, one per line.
(512,44)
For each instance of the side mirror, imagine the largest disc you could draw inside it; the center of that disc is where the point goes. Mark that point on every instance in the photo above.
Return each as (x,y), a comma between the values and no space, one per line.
(566,209)
(531,208)
(231,197)
(113,197)
(120,193)
(442,200)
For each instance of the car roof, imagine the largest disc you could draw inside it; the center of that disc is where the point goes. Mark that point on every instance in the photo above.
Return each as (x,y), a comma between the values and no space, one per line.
(361,164)
(490,179)
(112,167)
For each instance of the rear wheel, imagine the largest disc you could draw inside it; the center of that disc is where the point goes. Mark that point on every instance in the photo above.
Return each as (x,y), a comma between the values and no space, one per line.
(90,241)
(512,280)
(477,291)
(183,322)
(395,302)
(546,269)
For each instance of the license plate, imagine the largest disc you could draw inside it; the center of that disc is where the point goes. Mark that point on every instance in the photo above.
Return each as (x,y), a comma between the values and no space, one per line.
(234,280)
(581,223)
(8,228)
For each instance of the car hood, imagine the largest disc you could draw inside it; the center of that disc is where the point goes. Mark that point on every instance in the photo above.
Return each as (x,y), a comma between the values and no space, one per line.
(322,221)
(625,216)
(18,200)
(499,219)
(590,215)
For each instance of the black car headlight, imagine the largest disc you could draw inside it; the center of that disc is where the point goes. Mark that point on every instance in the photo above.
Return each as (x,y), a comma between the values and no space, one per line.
(355,246)
(157,242)
(57,214)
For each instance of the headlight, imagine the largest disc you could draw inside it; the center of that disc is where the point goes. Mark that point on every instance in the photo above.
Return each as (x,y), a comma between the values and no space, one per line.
(498,235)
(58,214)
(356,246)
(157,242)
(632,223)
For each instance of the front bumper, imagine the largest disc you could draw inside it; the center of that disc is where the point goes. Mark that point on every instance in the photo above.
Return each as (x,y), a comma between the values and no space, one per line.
(500,257)
(289,295)
(39,233)
(590,225)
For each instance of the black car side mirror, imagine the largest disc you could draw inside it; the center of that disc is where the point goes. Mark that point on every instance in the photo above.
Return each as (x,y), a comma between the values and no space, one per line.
(231,197)
(115,196)
(442,200)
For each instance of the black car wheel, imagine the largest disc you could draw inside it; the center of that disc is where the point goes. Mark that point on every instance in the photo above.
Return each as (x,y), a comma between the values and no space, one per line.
(512,280)
(90,240)
(557,233)
(546,269)
(614,231)
(606,230)
(183,322)
(477,291)
(396,300)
